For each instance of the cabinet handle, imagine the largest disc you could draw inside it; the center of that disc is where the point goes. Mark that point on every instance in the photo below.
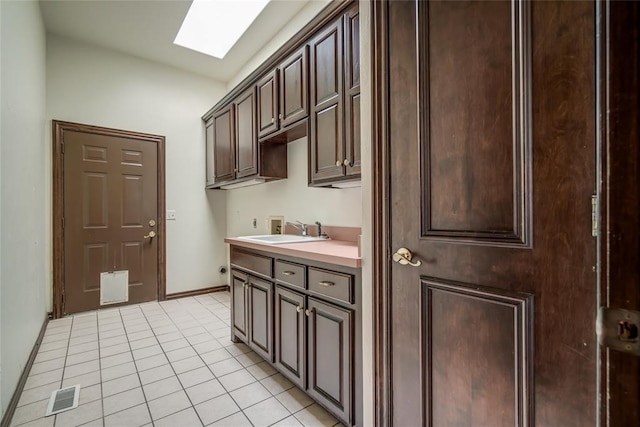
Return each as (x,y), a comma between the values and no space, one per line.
(308,312)
(338,163)
(288,273)
(273,119)
(299,309)
(280,116)
(346,162)
(326,283)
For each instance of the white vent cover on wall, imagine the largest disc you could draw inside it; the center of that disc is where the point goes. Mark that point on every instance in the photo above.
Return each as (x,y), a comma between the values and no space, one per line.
(114,287)
(63,400)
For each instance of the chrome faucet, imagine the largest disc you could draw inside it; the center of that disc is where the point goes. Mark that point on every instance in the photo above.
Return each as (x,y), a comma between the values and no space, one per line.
(300,226)
(319,229)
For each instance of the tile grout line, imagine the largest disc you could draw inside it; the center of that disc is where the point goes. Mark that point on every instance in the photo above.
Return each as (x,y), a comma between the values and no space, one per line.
(146,402)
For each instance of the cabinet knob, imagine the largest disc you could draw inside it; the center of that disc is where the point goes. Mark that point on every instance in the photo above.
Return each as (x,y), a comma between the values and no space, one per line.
(308,312)
(299,309)
(338,163)
(280,116)
(273,119)
(346,162)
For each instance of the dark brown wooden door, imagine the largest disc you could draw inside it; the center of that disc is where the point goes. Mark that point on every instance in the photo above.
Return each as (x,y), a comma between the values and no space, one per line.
(290,335)
(353,158)
(110,197)
(224,144)
(261,317)
(239,322)
(330,357)
(246,140)
(294,101)
(491,130)
(326,141)
(267,98)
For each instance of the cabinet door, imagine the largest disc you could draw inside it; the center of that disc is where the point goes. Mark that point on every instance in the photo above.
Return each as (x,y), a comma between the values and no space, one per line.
(326,93)
(331,352)
(211,178)
(290,335)
(239,312)
(267,93)
(246,140)
(294,103)
(352,160)
(224,145)
(261,317)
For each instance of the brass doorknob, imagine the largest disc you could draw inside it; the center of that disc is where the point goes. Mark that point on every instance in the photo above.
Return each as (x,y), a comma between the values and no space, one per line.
(151,235)
(403,256)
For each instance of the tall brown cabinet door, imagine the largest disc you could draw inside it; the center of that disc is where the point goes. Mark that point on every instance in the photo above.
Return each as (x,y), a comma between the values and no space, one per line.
(261,317)
(210,162)
(353,159)
(294,102)
(290,335)
(224,144)
(331,356)
(326,142)
(240,310)
(246,140)
(491,136)
(267,99)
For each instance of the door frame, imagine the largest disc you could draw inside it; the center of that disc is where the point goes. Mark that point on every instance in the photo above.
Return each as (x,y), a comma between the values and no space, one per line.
(617,131)
(58,128)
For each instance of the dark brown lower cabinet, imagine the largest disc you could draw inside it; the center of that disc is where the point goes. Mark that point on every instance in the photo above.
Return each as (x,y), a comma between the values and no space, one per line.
(330,360)
(261,317)
(252,313)
(239,300)
(307,325)
(290,335)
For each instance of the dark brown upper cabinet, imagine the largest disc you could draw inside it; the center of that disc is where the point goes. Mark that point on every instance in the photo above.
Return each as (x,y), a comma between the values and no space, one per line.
(233,152)
(334,142)
(352,160)
(283,95)
(246,140)
(224,151)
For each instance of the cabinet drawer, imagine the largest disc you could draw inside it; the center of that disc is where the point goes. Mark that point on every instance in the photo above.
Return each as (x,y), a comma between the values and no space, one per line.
(258,264)
(291,274)
(332,284)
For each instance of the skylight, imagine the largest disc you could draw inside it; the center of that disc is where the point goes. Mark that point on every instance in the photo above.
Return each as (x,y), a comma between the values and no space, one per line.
(214,26)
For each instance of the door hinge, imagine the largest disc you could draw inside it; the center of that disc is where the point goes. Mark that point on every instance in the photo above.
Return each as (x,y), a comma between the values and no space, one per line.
(594,216)
(617,329)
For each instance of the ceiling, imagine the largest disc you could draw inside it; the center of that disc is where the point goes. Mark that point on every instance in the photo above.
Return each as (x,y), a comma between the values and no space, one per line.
(147,28)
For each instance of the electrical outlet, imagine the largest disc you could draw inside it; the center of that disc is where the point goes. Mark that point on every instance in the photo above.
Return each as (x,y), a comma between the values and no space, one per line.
(171,215)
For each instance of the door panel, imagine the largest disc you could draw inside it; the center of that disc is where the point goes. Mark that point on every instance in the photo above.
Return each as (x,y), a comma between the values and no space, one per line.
(290,335)
(224,147)
(240,311)
(110,194)
(326,74)
(352,91)
(260,317)
(267,89)
(488,141)
(294,103)
(331,356)
(246,140)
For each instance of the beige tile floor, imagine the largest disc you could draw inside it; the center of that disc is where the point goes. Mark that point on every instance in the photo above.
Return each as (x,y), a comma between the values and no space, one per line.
(167,364)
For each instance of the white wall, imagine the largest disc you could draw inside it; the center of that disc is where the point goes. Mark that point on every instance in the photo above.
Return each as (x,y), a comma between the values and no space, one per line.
(23,276)
(291,198)
(301,19)
(96,86)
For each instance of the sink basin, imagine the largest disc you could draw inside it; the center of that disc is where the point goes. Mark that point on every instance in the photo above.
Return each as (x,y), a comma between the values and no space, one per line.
(275,239)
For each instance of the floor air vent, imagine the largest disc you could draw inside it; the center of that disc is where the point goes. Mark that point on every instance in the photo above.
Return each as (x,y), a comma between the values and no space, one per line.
(63,400)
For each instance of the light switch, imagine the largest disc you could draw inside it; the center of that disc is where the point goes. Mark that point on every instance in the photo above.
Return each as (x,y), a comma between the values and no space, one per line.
(171,215)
